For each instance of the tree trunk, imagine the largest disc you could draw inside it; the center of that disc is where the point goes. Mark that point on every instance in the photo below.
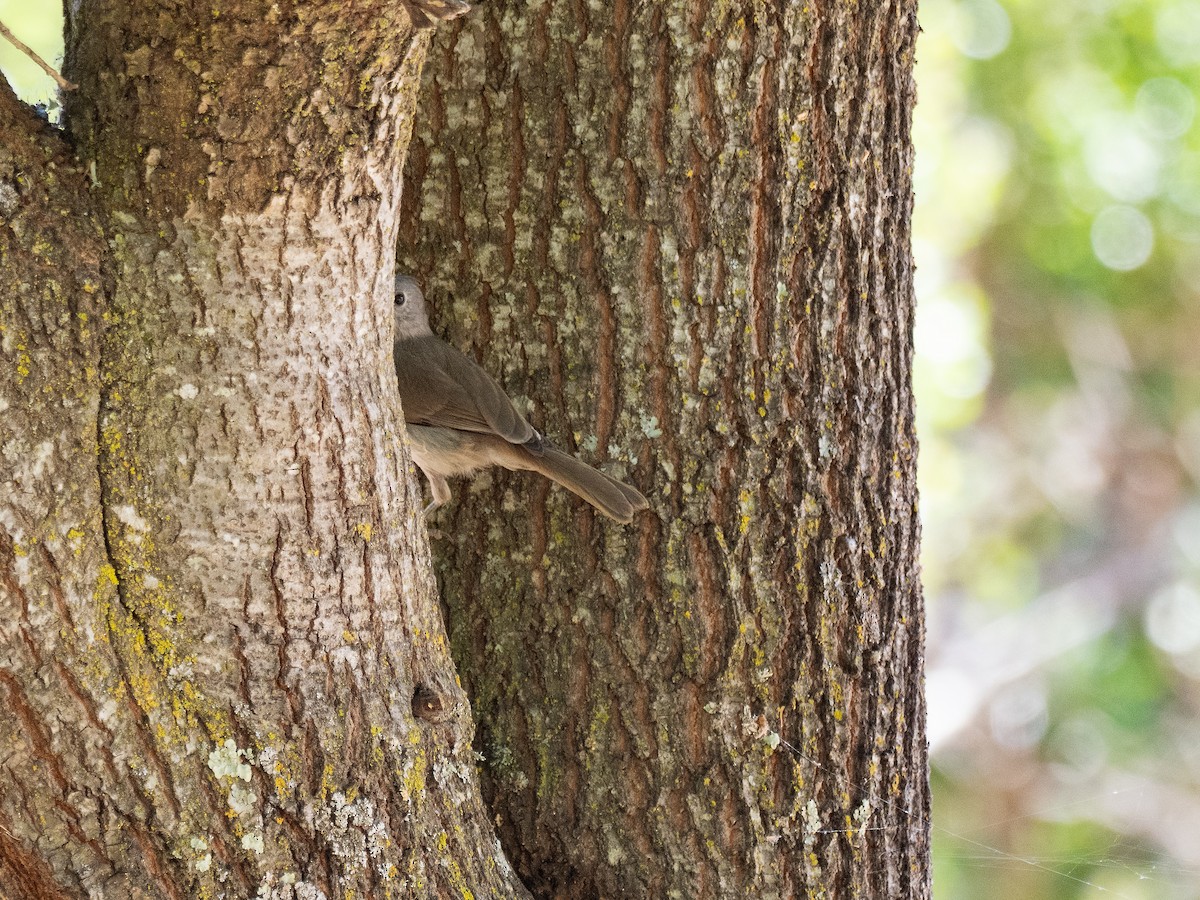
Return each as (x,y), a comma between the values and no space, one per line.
(222,666)
(680,230)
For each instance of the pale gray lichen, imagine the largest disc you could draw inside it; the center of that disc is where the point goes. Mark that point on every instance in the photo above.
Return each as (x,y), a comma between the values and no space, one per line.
(201,863)
(353,830)
(241,800)
(226,761)
(253,840)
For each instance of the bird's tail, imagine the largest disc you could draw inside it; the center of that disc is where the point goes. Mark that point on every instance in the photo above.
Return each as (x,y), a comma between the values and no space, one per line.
(615,499)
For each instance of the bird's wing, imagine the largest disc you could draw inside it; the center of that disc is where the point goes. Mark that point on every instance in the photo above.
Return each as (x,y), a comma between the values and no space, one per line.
(442,387)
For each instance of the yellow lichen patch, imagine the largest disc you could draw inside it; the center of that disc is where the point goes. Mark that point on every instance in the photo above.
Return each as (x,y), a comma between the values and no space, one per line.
(143,692)
(412,777)
(744,502)
(364,530)
(457,879)
(326,782)
(183,705)
(75,536)
(143,621)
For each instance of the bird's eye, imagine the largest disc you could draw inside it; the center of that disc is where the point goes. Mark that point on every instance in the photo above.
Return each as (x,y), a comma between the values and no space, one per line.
(401,299)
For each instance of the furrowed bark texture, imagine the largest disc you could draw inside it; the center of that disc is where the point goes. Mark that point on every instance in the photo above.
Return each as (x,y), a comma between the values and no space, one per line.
(219,637)
(681,229)
(50,539)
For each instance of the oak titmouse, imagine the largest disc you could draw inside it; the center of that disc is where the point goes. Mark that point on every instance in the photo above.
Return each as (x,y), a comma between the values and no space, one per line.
(459,419)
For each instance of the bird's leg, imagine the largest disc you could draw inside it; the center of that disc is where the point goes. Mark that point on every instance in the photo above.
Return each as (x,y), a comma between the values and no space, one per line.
(440,489)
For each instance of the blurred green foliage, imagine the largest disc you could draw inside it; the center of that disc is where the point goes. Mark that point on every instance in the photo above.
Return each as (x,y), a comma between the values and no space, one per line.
(1058,383)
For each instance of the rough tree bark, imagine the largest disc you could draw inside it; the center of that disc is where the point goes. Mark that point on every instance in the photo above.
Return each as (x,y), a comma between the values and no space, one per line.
(222,667)
(681,230)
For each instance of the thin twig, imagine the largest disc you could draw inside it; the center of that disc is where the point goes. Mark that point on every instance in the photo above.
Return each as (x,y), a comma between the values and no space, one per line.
(46,67)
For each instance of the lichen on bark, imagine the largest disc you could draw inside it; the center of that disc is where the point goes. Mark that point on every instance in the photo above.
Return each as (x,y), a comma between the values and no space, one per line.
(681,230)
(219,591)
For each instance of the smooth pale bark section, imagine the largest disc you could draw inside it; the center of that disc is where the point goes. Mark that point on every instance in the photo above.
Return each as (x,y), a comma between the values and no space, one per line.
(681,230)
(229,668)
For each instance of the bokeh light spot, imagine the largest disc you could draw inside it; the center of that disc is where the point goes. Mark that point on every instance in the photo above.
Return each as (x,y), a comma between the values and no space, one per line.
(1177,28)
(1121,161)
(1165,108)
(982,28)
(1173,618)
(1122,238)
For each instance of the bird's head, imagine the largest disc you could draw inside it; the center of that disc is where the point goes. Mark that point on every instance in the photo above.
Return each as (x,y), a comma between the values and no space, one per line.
(412,319)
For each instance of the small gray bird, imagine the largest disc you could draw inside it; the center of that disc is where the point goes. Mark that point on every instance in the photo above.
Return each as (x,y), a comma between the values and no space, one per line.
(459,419)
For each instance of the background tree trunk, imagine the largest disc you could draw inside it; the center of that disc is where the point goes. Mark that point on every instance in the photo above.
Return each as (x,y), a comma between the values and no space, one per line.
(222,668)
(681,230)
